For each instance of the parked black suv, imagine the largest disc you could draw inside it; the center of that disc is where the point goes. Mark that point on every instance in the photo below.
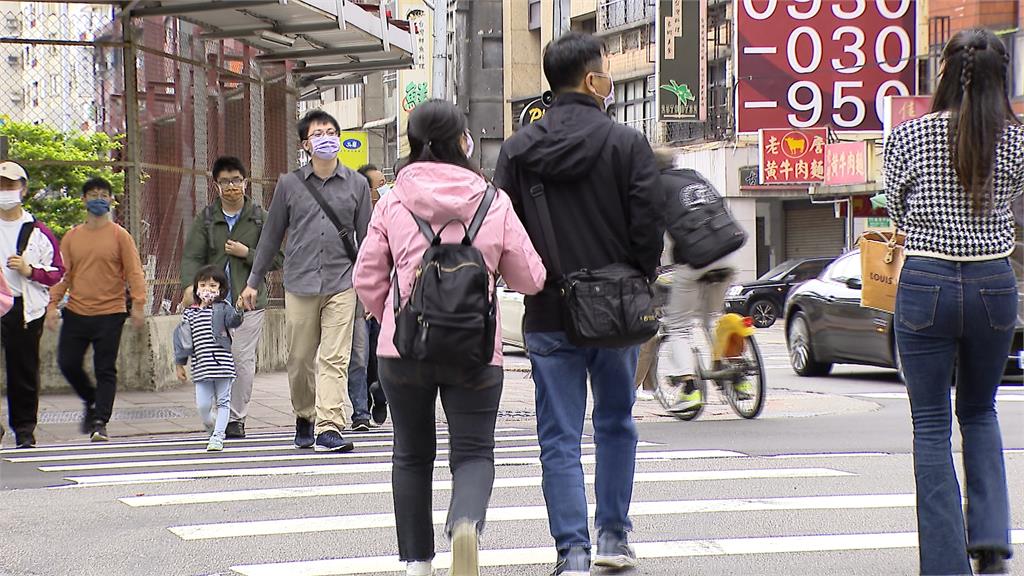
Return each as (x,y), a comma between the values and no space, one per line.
(763,299)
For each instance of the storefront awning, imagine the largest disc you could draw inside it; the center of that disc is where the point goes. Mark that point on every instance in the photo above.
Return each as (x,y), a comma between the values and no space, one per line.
(326,39)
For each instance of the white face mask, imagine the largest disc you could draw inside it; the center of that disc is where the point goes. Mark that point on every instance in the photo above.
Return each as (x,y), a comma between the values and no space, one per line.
(9,199)
(610,98)
(469,144)
(383,190)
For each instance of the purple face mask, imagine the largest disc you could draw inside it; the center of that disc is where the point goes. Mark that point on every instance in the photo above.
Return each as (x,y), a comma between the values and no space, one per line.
(325,147)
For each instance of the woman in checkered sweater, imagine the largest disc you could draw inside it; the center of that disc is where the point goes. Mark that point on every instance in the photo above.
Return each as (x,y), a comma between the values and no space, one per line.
(950,180)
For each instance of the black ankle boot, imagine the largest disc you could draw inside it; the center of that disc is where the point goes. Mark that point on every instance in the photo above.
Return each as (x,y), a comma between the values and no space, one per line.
(990,562)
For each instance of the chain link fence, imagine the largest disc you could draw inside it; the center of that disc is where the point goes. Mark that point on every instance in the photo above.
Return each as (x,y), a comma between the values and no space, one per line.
(68,113)
(198,100)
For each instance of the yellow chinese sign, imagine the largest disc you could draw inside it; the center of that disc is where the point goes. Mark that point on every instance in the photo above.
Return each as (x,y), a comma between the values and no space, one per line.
(355,152)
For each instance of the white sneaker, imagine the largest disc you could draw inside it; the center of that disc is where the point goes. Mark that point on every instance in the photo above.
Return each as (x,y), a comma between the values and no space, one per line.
(645,395)
(419,569)
(465,549)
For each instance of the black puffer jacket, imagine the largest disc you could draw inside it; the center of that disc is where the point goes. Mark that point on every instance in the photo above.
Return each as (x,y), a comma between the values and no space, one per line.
(602,186)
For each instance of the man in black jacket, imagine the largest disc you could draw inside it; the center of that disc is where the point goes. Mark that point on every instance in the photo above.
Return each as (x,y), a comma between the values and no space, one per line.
(601,183)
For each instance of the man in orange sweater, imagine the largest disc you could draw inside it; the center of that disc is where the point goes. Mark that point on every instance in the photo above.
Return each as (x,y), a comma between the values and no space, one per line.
(100,258)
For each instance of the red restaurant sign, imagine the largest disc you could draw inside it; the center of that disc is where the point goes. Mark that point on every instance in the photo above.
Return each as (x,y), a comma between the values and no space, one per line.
(899,109)
(804,63)
(846,163)
(792,156)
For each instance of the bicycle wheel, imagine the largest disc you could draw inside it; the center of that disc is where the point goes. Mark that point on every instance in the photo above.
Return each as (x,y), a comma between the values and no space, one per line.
(748,367)
(667,393)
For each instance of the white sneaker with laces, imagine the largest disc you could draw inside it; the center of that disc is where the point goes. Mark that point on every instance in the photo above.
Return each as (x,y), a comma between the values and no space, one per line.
(645,395)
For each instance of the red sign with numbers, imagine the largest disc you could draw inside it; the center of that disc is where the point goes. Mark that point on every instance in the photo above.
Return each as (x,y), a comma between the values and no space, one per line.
(793,156)
(803,63)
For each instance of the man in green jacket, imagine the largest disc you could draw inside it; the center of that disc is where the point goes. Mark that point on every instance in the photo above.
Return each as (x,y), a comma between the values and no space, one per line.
(226,234)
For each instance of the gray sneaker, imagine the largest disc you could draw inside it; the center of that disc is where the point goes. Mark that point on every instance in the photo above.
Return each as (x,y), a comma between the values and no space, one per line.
(613,551)
(574,562)
(216,444)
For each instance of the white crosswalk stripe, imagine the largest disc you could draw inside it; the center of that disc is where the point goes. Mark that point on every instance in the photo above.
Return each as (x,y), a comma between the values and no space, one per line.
(237,489)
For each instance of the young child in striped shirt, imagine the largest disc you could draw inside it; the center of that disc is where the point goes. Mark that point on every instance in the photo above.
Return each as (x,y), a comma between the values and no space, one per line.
(204,335)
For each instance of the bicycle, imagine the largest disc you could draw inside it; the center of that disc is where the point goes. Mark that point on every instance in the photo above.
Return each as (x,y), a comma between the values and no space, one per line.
(734,357)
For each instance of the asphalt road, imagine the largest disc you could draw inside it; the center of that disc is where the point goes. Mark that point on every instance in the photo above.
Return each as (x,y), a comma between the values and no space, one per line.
(830,493)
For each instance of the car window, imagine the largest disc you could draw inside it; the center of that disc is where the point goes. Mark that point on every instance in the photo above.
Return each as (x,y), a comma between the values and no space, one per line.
(777,272)
(808,270)
(845,268)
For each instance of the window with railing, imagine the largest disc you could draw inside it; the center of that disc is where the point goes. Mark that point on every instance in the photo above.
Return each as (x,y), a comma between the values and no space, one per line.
(634,106)
(616,13)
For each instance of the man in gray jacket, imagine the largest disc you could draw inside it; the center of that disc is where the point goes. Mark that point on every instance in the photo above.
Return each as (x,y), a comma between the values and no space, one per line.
(320,304)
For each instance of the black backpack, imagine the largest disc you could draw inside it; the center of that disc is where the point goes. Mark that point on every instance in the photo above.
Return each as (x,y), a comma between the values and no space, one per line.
(450,317)
(702,229)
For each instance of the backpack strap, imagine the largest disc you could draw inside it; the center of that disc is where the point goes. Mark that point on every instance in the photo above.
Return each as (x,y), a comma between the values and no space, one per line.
(481,213)
(208,222)
(23,236)
(425,228)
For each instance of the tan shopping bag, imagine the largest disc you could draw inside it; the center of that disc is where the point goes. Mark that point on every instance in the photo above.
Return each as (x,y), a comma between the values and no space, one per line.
(881,259)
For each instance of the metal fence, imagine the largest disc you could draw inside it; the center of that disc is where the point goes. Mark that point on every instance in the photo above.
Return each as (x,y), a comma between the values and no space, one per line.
(197,100)
(615,13)
(174,100)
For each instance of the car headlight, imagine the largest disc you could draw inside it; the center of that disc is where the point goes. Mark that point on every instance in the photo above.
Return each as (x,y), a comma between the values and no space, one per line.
(734,291)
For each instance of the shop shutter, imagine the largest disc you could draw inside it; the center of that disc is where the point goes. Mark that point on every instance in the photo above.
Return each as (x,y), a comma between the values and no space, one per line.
(814,231)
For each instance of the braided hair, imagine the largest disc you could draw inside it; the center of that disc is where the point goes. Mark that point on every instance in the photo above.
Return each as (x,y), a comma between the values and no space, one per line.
(972,89)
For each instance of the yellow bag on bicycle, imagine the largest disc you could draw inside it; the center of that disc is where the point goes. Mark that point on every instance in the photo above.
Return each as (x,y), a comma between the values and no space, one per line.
(731,333)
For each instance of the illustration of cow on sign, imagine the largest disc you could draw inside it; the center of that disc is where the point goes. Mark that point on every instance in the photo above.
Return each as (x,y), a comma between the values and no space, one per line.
(796,146)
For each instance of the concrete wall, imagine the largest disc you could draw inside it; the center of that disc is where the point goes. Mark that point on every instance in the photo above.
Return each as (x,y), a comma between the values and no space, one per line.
(146,361)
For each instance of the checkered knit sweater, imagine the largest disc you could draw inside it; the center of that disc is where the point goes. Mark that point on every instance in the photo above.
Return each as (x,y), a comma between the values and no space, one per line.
(926,201)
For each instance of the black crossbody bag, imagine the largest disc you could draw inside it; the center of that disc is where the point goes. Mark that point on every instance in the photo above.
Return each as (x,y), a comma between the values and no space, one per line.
(348,237)
(610,307)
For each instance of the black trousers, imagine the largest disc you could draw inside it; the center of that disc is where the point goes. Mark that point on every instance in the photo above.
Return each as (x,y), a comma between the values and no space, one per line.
(470,399)
(103,333)
(20,342)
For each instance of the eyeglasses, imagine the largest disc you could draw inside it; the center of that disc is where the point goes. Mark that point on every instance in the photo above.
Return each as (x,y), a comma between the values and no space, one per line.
(320,133)
(234,182)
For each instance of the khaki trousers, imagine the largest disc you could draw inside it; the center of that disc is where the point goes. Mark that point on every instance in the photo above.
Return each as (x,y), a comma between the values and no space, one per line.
(320,343)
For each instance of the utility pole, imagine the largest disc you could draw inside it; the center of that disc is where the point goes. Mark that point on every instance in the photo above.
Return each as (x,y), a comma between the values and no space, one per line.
(560,18)
(440,75)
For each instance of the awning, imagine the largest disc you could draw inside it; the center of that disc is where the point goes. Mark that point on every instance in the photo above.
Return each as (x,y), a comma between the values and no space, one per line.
(331,41)
(382,123)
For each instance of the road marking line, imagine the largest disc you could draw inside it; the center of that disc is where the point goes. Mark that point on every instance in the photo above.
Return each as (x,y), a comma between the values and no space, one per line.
(273,437)
(358,468)
(1005,397)
(227,450)
(546,554)
(444,485)
(307,455)
(521,513)
(829,455)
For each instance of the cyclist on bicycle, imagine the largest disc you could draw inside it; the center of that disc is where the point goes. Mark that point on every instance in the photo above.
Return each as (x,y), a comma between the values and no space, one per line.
(696,292)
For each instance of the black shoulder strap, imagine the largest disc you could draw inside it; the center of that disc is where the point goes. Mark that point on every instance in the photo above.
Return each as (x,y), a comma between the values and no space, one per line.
(208,222)
(425,228)
(547,228)
(351,249)
(481,213)
(23,236)
(328,211)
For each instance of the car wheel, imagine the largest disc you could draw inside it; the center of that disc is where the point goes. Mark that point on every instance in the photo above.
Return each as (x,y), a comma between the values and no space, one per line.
(764,313)
(801,354)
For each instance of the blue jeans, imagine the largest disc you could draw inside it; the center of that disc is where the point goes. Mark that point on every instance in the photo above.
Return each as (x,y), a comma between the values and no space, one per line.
(210,392)
(956,314)
(560,371)
(358,390)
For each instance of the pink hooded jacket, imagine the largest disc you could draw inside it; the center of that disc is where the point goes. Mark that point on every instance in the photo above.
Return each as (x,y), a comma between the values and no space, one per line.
(438,193)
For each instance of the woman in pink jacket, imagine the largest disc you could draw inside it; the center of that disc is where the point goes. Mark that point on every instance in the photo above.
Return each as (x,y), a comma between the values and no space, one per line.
(439,185)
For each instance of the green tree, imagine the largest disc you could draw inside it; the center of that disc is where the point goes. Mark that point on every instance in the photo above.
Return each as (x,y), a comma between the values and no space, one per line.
(35,146)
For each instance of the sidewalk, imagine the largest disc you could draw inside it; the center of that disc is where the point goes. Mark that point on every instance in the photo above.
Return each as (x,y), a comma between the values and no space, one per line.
(143,413)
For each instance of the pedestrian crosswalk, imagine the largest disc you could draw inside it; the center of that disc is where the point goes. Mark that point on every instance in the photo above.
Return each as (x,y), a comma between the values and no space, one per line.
(272,510)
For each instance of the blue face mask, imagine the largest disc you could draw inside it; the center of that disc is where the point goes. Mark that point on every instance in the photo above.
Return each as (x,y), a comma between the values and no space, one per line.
(98,206)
